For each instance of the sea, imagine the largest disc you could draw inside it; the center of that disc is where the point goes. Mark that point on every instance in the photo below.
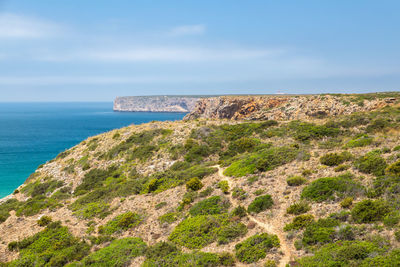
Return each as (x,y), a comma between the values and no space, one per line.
(34,133)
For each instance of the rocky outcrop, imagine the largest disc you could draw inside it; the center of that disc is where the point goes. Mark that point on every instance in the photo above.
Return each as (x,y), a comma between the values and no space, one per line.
(155,103)
(285,107)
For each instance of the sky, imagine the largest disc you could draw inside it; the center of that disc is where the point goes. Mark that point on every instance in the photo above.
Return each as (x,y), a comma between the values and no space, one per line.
(97,50)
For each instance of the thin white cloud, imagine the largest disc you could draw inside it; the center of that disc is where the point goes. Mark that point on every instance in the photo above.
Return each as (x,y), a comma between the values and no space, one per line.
(183,30)
(101,80)
(163,54)
(14,26)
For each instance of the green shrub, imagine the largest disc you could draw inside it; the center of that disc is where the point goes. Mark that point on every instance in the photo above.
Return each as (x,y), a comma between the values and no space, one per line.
(346,202)
(212,205)
(36,204)
(371,163)
(378,125)
(341,168)
(197,232)
(270,263)
(239,193)
(343,253)
(320,232)
(119,253)
(296,180)
(161,205)
(230,232)
(54,246)
(224,186)
(239,211)
(392,219)
(44,220)
(90,210)
(298,208)
(178,174)
(244,144)
(194,184)
(263,160)
(165,254)
(394,169)
(303,131)
(6,207)
(361,141)
(256,247)
(396,148)
(329,188)
(260,203)
(169,217)
(259,192)
(299,222)
(121,223)
(368,211)
(334,159)
(206,192)
(397,235)
(95,177)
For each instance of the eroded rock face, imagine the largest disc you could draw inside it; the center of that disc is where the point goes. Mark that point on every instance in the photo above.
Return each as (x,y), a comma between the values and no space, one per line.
(283,107)
(155,103)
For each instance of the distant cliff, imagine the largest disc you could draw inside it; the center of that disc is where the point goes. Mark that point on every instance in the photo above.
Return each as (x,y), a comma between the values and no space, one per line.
(155,103)
(286,107)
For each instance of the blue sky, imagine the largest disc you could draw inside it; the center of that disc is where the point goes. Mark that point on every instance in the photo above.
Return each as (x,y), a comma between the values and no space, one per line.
(96,50)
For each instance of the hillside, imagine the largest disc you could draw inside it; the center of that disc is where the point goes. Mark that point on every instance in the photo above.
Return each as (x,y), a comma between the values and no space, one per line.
(303,191)
(155,103)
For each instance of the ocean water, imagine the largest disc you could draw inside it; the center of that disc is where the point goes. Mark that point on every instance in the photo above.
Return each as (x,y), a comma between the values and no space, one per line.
(33,133)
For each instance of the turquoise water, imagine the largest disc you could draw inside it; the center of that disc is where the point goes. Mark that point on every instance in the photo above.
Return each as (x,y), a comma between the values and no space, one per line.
(33,133)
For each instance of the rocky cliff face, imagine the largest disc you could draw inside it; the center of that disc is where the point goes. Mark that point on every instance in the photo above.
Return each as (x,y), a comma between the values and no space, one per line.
(288,107)
(155,103)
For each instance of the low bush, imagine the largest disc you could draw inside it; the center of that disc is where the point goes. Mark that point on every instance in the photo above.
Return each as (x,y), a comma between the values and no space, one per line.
(296,180)
(298,208)
(224,186)
(194,184)
(346,202)
(239,211)
(260,203)
(392,219)
(341,168)
(44,220)
(256,247)
(169,217)
(394,169)
(361,141)
(6,207)
(230,232)
(210,206)
(371,163)
(320,232)
(239,193)
(303,131)
(334,159)
(368,211)
(166,254)
(345,253)
(377,125)
(121,223)
(263,160)
(329,188)
(197,232)
(299,222)
(118,253)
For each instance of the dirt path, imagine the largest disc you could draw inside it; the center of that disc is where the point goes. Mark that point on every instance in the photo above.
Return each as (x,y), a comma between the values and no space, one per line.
(268,227)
